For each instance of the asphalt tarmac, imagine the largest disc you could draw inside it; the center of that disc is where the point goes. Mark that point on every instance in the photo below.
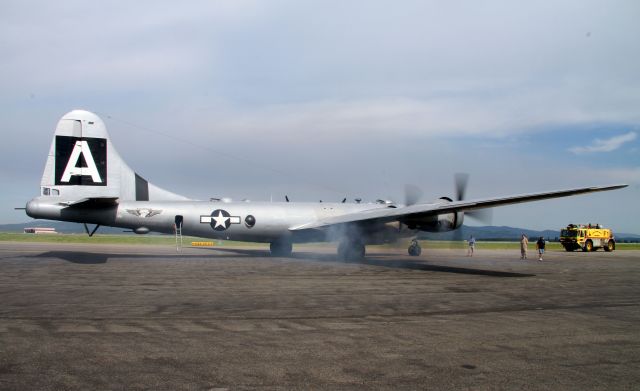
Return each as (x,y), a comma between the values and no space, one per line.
(109,317)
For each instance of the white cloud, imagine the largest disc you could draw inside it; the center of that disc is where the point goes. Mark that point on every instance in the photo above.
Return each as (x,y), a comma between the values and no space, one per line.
(494,117)
(295,69)
(606,145)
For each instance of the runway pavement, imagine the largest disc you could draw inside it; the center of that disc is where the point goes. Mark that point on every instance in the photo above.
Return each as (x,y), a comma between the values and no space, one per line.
(124,318)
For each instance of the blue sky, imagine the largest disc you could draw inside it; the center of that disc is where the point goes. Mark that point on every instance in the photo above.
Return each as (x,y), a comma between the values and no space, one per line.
(322,100)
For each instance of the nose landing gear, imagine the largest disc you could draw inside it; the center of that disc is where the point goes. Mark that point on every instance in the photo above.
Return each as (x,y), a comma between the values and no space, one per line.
(414,248)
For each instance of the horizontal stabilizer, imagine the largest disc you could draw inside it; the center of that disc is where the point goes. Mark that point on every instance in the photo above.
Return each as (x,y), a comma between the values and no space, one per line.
(93,201)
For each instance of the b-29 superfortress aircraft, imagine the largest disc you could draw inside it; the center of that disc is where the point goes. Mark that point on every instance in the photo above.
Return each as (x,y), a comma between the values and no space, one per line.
(86,181)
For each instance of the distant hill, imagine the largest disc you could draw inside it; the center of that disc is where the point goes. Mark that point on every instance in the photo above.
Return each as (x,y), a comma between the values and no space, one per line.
(491,233)
(507,234)
(480,233)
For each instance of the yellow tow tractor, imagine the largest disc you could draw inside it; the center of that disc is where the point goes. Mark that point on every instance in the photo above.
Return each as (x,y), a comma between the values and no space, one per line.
(587,237)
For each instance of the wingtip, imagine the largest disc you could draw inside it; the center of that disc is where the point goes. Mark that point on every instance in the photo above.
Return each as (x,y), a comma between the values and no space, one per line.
(610,187)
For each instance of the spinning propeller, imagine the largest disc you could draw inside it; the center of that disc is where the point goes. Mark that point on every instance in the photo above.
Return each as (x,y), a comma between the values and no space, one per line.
(413,195)
(482,215)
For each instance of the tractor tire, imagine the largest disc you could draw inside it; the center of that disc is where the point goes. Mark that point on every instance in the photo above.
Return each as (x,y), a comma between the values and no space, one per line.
(588,246)
(611,245)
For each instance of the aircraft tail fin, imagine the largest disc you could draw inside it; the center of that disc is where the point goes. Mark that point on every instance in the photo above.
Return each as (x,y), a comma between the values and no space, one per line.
(83,164)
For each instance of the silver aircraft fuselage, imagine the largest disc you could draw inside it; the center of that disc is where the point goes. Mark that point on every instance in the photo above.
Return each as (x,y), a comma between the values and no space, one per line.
(241,221)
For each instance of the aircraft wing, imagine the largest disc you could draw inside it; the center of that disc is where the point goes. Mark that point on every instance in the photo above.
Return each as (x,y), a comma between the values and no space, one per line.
(383,215)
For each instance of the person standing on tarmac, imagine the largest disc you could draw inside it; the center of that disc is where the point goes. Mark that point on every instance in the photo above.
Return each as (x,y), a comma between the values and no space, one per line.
(540,247)
(472,246)
(524,244)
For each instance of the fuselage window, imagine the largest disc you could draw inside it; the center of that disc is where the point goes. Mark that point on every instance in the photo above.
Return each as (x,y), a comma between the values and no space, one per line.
(47,191)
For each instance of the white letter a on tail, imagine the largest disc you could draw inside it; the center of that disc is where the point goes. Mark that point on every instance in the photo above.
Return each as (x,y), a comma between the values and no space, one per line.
(81,147)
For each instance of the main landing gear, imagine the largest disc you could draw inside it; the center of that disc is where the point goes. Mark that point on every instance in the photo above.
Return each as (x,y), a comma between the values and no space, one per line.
(354,250)
(351,250)
(280,248)
(414,248)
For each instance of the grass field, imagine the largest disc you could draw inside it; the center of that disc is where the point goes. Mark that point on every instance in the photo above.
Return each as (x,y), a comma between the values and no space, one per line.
(108,239)
(170,240)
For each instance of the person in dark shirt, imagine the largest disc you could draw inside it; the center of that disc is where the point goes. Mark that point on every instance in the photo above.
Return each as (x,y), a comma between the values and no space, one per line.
(540,247)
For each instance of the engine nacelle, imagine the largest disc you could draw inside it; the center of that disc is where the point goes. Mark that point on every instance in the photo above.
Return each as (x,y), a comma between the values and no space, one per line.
(437,223)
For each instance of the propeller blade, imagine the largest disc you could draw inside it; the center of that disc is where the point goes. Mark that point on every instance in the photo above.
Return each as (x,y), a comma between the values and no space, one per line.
(482,215)
(412,194)
(458,239)
(461,180)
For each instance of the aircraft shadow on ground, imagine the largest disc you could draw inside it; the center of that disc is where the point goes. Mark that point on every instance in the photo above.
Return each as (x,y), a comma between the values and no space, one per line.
(76,257)
(390,263)
(87,258)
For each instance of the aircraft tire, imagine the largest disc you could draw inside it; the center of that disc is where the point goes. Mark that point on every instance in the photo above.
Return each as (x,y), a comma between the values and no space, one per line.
(415,250)
(351,251)
(342,250)
(280,249)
